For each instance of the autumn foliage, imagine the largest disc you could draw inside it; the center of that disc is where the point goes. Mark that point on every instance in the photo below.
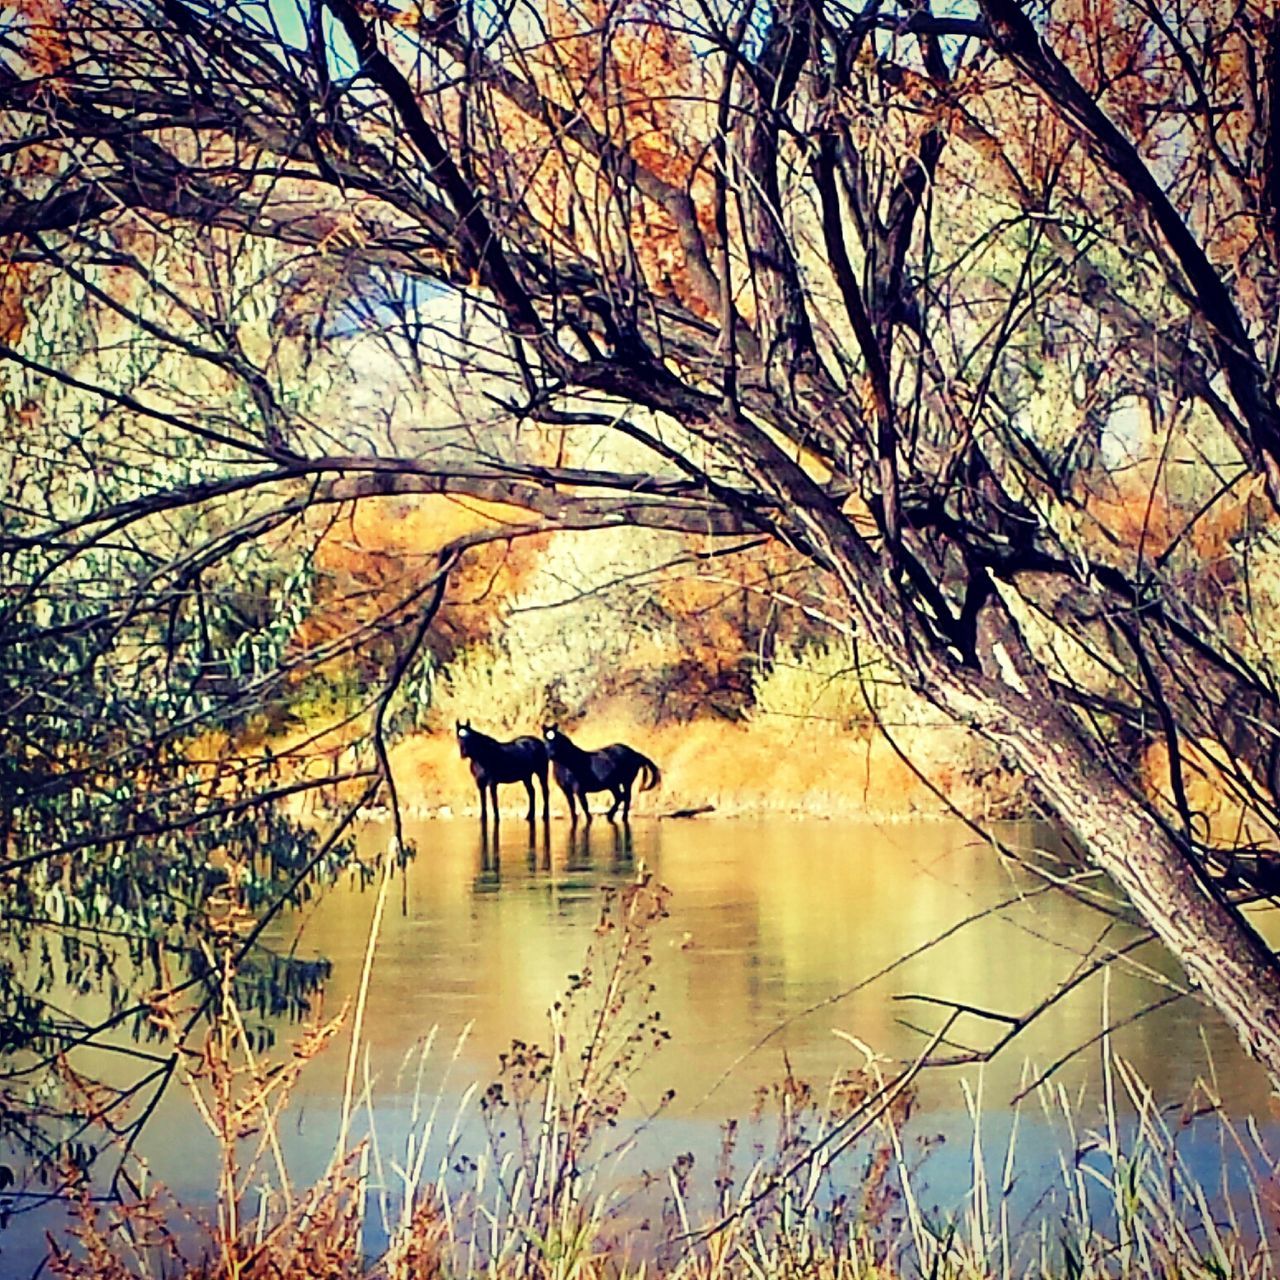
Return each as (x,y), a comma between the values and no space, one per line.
(375,554)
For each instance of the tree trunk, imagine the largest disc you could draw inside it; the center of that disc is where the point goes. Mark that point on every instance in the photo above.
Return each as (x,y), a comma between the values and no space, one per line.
(1220,952)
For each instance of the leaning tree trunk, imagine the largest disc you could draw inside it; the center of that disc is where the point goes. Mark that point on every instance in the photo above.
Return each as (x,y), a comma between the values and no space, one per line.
(1220,953)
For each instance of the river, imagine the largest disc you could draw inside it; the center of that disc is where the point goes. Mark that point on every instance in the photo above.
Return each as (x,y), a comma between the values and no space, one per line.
(765,967)
(768,920)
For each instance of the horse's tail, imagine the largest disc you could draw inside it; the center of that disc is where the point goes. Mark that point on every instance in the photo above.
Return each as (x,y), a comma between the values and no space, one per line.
(651,774)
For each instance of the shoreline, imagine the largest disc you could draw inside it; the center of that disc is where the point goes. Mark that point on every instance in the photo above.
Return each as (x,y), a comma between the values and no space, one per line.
(723,771)
(471,813)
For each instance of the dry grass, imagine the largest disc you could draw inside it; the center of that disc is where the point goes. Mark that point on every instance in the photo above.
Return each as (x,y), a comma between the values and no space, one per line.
(778,767)
(1227,800)
(813,744)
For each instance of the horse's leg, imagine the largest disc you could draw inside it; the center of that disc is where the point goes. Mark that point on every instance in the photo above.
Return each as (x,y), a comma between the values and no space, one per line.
(546,801)
(484,808)
(582,798)
(617,800)
(566,790)
(493,803)
(626,801)
(533,809)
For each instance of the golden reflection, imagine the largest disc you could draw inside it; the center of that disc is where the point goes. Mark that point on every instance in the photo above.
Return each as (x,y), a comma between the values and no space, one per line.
(768,918)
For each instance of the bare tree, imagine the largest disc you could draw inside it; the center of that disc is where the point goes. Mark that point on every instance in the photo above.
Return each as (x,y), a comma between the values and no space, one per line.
(895,288)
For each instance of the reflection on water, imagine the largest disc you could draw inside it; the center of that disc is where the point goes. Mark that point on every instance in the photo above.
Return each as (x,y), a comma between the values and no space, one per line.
(768,919)
(775,928)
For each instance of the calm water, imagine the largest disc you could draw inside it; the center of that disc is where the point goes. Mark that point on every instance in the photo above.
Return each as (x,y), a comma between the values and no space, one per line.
(770,922)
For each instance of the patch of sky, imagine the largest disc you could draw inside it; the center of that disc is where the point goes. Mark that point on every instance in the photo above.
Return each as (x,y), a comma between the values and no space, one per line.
(399,302)
(1122,437)
(280,21)
(288,22)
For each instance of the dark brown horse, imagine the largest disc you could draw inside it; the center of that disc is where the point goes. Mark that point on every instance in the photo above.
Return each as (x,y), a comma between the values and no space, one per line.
(613,768)
(494,762)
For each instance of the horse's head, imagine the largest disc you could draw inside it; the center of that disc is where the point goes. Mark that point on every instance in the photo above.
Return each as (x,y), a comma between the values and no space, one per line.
(552,736)
(464,738)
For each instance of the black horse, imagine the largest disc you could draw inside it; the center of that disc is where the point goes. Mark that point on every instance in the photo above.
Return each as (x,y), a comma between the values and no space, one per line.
(492,762)
(613,768)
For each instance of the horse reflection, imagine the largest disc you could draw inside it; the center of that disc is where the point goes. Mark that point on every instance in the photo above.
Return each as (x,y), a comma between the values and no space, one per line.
(488,878)
(536,847)
(623,845)
(578,849)
(582,844)
(540,846)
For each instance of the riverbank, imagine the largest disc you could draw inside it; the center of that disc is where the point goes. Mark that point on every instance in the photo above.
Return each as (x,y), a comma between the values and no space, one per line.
(732,770)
